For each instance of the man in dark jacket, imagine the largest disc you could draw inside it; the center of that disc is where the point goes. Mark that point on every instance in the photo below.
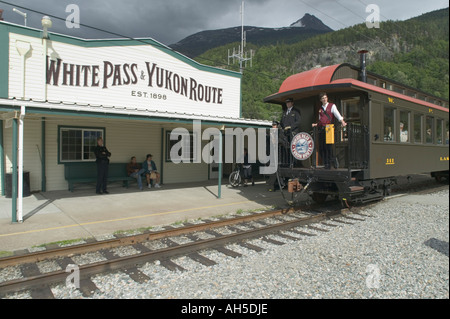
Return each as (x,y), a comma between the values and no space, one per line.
(290,120)
(290,125)
(102,154)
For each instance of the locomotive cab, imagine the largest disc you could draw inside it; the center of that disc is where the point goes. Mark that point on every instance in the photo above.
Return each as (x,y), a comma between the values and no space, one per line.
(349,144)
(373,149)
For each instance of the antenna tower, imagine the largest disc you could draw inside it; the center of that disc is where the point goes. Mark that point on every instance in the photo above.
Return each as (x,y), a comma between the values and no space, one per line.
(240,55)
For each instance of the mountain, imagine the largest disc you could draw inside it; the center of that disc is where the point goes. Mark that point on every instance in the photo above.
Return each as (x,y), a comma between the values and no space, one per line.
(414,52)
(198,43)
(311,22)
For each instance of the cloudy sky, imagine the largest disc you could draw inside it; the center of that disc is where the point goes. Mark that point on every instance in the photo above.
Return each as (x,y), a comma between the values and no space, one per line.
(169,21)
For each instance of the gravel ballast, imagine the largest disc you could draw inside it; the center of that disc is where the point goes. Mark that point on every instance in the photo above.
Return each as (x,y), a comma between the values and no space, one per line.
(400,251)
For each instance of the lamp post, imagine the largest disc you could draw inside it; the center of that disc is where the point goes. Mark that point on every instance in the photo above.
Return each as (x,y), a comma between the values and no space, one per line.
(23,48)
(219,194)
(23,14)
(46,24)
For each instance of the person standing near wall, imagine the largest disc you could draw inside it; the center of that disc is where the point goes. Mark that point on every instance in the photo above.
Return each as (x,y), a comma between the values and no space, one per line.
(102,159)
(290,126)
(327,113)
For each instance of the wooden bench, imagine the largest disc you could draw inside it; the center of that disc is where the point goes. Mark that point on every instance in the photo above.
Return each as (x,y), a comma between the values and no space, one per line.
(87,173)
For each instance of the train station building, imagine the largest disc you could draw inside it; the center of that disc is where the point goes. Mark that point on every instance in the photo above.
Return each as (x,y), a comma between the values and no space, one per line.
(59,93)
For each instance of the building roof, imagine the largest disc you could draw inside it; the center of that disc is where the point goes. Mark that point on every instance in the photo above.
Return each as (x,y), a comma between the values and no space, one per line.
(63,99)
(6,26)
(102,111)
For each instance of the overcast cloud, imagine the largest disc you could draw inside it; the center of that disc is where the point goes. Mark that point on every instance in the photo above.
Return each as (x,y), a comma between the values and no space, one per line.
(169,21)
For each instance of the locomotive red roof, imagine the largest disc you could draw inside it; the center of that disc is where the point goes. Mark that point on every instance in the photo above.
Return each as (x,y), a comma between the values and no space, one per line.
(311,78)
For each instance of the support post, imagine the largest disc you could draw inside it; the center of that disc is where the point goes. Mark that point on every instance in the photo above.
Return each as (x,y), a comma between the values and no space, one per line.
(2,160)
(44,177)
(20,167)
(14,172)
(219,192)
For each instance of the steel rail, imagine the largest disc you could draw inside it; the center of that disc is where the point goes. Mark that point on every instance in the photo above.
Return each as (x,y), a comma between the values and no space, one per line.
(161,254)
(134,239)
(169,252)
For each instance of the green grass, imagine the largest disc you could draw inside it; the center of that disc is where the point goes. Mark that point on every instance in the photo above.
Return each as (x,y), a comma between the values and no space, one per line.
(5,254)
(179,222)
(61,242)
(132,231)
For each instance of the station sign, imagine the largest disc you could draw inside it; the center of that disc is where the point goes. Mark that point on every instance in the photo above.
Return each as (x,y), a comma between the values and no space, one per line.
(121,73)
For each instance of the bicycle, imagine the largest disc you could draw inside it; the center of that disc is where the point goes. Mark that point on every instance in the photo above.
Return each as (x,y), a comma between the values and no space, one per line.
(235,176)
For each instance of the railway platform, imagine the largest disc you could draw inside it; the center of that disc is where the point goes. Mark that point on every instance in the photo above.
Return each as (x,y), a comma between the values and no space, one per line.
(57,216)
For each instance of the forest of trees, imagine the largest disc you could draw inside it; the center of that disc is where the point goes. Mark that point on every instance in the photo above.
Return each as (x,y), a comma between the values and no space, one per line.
(414,52)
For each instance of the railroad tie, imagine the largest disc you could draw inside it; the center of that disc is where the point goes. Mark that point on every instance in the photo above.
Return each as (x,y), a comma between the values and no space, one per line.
(251,246)
(42,292)
(137,275)
(342,222)
(228,252)
(301,232)
(287,236)
(234,229)
(330,225)
(213,233)
(361,214)
(140,247)
(87,287)
(317,228)
(354,218)
(201,259)
(169,264)
(108,254)
(272,241)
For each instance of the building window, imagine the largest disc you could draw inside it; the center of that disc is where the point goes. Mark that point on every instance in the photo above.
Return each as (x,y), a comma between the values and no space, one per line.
(417,128)
(351,109)
(439,132)
(77,144)
(446,132)
(399,90)
(186,149)
(429,129)
(389,120)
(404,126)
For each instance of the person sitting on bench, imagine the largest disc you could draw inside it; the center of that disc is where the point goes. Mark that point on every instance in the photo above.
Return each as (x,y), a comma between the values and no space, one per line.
(151,171)
(134,170)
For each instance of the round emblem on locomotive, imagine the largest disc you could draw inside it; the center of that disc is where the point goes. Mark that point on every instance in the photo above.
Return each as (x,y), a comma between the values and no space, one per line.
(302,146)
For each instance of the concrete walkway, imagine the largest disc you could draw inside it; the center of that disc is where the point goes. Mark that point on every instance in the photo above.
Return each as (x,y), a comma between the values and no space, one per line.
(62,215)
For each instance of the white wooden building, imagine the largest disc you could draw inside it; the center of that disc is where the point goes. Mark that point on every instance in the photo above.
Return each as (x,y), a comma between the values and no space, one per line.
(65,91)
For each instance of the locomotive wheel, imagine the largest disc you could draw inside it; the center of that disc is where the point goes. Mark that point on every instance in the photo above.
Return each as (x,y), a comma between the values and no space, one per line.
(319,198)
(235,179)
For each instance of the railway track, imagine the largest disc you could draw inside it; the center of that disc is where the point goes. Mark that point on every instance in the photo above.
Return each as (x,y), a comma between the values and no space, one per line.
(238,230)
(39,283)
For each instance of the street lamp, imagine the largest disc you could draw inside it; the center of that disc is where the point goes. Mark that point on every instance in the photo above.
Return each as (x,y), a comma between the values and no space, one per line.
(23,14)
(46,23)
